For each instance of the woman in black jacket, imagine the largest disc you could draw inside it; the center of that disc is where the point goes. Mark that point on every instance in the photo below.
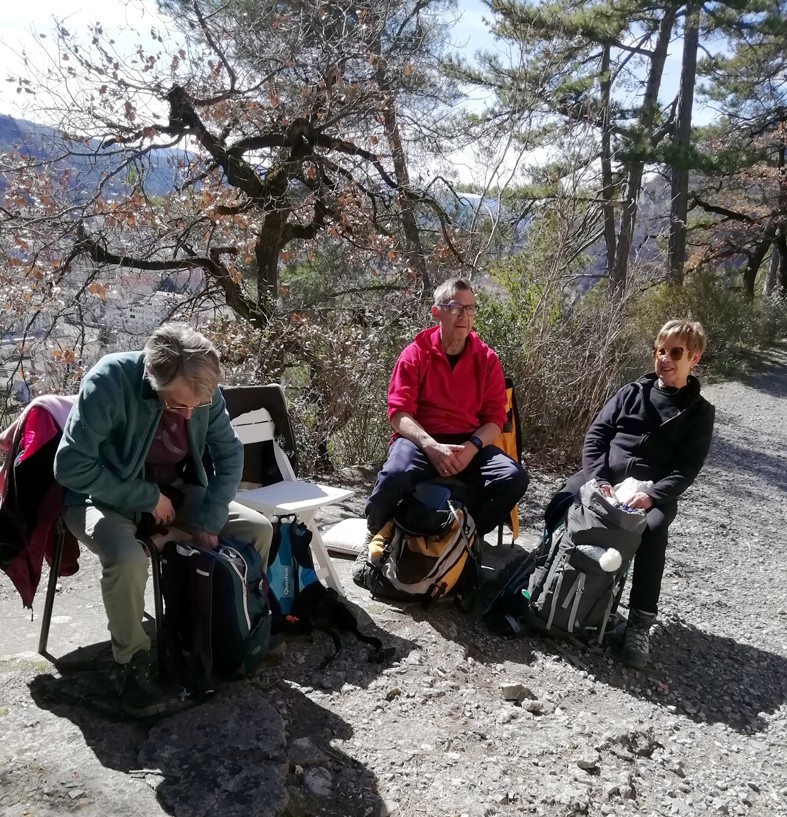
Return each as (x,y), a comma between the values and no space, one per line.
(657,428)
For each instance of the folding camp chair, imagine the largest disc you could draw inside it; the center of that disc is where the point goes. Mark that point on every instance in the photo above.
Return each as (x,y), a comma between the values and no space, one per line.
(260,418)
(510,441)
(49,602)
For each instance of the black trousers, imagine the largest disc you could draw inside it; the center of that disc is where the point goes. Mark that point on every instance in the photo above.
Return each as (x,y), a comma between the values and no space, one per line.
(651,556)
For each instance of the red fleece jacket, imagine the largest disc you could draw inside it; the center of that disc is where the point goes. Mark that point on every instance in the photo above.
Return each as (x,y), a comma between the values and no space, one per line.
(444,400)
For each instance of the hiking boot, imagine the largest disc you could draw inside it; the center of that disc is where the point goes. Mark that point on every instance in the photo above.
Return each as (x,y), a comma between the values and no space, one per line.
(140,697)
(361,561)
(636,643)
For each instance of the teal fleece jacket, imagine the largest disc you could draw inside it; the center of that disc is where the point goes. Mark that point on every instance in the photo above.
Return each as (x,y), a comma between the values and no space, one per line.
(101,456)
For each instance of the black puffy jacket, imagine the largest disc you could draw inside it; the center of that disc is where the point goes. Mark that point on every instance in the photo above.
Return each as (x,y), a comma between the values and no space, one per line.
(629,439)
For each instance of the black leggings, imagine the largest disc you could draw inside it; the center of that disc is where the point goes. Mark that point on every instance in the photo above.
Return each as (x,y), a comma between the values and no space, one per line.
(650,558)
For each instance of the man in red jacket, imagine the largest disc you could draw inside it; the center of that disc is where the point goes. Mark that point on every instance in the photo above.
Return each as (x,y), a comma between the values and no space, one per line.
(446,405)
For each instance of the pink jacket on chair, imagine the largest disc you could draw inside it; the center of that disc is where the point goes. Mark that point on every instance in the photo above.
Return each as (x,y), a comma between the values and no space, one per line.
(30,498)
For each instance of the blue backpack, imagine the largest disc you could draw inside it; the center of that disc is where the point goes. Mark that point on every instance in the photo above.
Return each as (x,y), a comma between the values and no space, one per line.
(217,616)
(290,568)
(300,602)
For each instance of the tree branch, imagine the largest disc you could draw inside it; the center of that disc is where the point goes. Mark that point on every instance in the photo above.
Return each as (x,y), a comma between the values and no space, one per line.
(219,53)
(729,215)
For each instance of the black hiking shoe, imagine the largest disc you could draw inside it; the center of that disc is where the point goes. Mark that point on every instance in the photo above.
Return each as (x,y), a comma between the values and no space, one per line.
(359,567)
(140,697)
(361,562)
(636,642)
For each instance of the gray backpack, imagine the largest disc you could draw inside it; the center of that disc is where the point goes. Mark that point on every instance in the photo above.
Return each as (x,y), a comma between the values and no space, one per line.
(578,577)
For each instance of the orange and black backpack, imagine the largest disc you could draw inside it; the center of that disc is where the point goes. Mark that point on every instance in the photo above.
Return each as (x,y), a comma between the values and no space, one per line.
(429,549)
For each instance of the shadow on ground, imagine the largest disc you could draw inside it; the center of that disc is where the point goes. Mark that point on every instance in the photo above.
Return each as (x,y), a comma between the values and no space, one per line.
(709,678)
(768,371)
(316,737)
(745,461)
(216,755)
(714,678)
(356,663)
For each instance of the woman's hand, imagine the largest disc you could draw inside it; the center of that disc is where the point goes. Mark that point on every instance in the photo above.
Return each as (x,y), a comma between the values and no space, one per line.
(640,501)
(605,489)
(164,512)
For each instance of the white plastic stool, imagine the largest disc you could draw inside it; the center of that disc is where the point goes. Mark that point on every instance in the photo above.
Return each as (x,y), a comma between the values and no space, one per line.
(347,537)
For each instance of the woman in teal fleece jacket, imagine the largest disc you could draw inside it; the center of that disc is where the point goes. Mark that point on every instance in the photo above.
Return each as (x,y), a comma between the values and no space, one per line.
(136,437)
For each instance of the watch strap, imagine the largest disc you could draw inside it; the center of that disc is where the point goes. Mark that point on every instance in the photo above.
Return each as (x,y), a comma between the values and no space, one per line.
(477,442)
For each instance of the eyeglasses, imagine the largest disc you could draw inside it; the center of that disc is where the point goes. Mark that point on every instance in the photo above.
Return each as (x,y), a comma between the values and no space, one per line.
(177,407)
(675,353)
(456,309)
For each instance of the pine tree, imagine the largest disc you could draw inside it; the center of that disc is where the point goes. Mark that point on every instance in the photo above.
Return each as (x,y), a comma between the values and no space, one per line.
(743,188)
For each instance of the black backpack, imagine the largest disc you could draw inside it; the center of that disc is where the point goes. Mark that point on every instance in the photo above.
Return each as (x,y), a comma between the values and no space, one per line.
(217,617)
(430,549)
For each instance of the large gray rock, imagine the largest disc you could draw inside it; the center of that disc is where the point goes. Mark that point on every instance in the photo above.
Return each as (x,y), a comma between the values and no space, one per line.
(223,758)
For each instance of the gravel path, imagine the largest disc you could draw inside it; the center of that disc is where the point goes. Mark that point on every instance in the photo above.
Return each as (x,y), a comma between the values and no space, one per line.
(701,732)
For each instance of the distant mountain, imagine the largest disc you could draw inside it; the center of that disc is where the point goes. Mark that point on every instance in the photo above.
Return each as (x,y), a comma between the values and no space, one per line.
(82,165)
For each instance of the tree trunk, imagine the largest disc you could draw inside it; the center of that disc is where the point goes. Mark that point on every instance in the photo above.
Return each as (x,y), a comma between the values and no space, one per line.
(414,251)
(266,252)
(636,165)
(777,267)
(781,243)
(680,169)
(608,187)
(772,275)
(756,258)
(776,276)
(781,233)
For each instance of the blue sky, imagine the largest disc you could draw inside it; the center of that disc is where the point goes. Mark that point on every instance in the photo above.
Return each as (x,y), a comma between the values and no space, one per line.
(17,21)
(20,29)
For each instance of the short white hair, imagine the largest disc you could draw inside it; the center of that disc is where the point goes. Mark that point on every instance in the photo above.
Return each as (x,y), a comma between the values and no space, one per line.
(449,288)
(691,331)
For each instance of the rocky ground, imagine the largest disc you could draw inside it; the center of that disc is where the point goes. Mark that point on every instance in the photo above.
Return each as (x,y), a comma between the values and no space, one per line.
(459,722)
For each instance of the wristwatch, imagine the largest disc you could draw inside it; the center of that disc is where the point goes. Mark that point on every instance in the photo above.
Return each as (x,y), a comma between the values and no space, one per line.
(476,441)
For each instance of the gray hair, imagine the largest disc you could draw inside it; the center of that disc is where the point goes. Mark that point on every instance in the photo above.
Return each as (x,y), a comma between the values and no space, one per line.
(176,350)
(449,288)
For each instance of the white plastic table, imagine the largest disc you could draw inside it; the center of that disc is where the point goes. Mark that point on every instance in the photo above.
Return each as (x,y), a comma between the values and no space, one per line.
(303,499)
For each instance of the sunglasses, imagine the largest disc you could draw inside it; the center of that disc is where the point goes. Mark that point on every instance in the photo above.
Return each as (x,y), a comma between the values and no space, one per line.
(178,407)
(456,309)
(675,353)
